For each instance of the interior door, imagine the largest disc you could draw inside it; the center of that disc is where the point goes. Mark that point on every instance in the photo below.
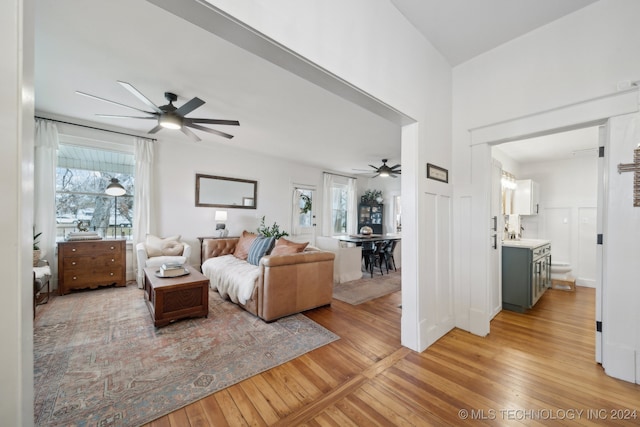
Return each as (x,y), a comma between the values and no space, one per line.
(602,135)
(303,213)
(496,224)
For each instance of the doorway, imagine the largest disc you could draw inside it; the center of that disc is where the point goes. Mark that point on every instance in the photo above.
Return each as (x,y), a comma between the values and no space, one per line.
(619,111)
(565,167)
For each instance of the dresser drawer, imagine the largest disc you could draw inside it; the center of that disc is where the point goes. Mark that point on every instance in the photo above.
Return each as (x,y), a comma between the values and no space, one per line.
(89,264)
(89,247)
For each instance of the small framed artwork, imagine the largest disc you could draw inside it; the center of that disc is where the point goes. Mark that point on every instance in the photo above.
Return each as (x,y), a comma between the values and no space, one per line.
(437,173)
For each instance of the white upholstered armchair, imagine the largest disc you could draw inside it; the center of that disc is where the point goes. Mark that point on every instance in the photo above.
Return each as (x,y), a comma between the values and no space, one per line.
(347,265)
(155,251)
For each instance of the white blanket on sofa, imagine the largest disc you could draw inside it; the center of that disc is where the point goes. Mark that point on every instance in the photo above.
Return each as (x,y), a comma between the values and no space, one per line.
(233,278)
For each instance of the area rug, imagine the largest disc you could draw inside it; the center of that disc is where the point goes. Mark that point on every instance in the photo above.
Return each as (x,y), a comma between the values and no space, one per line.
(99,361)
(365,289)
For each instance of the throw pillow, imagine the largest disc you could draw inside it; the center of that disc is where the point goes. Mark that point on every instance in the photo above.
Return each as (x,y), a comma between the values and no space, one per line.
(243,245)
(172,248)
(285,247)
(259,248)
(154,244)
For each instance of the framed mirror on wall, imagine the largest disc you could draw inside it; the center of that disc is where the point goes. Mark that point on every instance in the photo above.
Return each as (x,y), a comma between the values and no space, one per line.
(225,192)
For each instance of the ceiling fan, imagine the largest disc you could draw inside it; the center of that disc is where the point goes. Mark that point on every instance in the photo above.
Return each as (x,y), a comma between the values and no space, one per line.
(385,170)
(168,116)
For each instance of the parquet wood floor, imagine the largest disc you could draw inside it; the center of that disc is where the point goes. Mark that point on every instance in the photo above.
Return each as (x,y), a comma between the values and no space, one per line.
(533,369)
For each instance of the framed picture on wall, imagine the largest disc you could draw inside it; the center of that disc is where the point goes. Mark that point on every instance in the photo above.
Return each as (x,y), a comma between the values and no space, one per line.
(437,173)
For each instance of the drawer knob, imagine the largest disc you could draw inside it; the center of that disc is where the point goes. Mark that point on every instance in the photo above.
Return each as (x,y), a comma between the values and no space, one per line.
(112,274)
(73,263)
(73,249)
(112,260)
(112,247)
(74,277)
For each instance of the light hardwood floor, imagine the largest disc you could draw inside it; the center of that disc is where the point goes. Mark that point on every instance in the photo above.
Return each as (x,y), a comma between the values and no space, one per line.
(533,369)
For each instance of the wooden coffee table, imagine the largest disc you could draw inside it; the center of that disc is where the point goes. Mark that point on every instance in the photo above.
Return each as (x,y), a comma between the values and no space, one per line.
(173,298)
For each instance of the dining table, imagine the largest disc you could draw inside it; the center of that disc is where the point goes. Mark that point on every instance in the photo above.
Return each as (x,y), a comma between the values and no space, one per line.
(359,239)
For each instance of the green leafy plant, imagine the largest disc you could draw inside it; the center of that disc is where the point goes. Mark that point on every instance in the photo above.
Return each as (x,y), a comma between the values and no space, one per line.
(36,241)
(274,230)
(371,195)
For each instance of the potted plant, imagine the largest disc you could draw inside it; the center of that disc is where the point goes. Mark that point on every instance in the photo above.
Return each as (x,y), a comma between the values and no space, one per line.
(274,230)
(36,248)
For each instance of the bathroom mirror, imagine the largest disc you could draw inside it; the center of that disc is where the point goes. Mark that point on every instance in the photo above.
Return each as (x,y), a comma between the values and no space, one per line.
(223,192)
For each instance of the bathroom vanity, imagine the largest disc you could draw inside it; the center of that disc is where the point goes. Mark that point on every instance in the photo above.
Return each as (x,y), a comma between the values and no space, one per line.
(526,272)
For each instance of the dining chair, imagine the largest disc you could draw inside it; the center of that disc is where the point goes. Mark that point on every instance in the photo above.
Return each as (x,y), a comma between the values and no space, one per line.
(389,248)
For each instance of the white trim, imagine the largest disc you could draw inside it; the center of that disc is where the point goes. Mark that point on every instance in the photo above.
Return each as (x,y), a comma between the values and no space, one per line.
(581,114)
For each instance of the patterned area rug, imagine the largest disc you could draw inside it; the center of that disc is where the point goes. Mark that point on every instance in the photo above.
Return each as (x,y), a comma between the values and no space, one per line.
(368,288)
(98,359)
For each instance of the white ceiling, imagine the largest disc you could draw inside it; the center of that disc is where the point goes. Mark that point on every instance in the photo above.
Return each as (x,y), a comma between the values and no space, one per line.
(88,45)
(463,29)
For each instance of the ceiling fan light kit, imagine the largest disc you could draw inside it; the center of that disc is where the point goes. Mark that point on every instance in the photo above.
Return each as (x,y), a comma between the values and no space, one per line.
(168,116)
(170,121)
(385,171)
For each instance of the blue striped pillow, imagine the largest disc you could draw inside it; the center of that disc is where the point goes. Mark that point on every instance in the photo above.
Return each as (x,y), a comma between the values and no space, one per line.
(259,248)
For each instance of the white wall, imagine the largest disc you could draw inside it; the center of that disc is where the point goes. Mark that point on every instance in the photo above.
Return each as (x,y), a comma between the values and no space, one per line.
(16,224)
(370,45)
(568,208)
(579,57)
(178,161)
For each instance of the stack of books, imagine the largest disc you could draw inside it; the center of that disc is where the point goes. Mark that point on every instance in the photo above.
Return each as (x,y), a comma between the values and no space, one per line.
(83,235)
(172,270)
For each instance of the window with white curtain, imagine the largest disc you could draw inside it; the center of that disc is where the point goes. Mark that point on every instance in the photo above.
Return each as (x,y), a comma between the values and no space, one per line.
(82,175)
(339,208)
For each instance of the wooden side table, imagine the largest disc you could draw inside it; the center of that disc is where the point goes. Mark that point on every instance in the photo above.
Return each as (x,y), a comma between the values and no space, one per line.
(173,298)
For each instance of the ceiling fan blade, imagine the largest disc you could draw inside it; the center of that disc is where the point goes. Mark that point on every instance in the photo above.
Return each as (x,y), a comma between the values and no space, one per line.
(113,116)
(396,166)
(213,121)
(375,167)
(140,96)
(112,102)
(155,129)
(216,132)
(190,134)
(189,106)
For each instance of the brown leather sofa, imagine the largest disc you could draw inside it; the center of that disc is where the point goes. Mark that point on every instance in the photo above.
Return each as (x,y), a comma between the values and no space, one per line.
(287,284)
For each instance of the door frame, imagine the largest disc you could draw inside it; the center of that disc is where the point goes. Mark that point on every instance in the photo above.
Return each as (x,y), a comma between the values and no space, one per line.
(588,113)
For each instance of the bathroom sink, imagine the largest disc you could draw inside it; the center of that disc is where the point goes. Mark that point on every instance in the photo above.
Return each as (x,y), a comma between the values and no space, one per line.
(525,243)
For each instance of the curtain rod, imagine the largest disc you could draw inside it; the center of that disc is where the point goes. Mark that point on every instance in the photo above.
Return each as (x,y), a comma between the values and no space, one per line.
(95,128)
(337,174)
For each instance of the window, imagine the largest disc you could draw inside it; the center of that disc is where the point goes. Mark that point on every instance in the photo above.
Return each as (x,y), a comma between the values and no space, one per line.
(339,208)
(82,176)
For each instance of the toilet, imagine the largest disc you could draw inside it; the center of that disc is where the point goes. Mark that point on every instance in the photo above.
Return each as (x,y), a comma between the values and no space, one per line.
(561,277)
(560,270)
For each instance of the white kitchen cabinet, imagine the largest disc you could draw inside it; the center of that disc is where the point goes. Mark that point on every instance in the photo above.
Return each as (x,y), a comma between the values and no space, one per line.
(527,197)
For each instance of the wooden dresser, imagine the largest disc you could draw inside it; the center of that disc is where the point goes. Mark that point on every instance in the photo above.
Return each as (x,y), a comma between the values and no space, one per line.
(91,263)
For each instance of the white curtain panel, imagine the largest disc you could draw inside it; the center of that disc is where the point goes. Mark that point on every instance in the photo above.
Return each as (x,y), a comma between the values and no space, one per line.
(46,155)
(142,199)
(327,204)
(352,208)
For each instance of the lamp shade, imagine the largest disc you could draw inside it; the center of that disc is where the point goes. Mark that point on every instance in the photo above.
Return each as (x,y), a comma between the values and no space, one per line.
(115,188)
(221,215)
